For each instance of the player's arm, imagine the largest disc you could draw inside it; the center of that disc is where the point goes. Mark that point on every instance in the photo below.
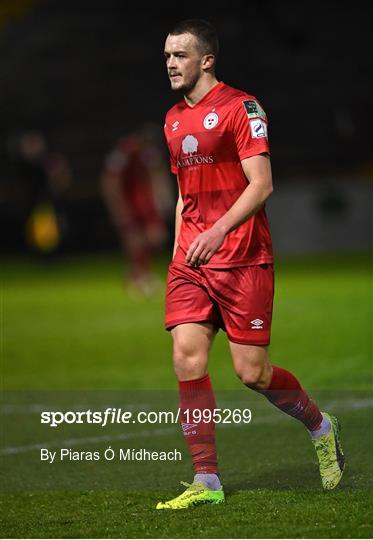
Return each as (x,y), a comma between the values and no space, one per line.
(257,170)
(179,209)
(112,179)
(112,195)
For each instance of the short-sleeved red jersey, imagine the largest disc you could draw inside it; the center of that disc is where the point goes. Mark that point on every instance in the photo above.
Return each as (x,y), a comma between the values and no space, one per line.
(207,143)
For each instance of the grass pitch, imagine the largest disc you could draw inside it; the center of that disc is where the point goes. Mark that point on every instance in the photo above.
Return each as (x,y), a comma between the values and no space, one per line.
(71,326)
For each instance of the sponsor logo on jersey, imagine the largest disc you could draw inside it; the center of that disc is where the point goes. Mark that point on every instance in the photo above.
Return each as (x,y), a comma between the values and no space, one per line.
(189,147)
(175,125)
(210,121)
(257,324)
(258,129)
(253,109)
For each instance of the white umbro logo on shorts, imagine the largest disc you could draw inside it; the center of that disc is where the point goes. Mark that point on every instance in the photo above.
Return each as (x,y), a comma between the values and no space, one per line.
(257,324)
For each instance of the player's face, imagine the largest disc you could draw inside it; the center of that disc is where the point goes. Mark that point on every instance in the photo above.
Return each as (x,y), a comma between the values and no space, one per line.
(184,61)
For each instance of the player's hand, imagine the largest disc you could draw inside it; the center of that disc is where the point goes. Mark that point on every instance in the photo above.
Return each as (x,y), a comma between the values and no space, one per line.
(205,246)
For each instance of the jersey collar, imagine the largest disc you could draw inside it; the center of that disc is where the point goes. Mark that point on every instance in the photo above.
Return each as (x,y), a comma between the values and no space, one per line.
(211,93)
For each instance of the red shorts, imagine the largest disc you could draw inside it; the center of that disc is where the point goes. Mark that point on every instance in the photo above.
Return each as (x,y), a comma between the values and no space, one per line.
(238,300)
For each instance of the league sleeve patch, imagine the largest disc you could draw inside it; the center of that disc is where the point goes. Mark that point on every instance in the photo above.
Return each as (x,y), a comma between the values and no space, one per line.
(258,129)
(253,109)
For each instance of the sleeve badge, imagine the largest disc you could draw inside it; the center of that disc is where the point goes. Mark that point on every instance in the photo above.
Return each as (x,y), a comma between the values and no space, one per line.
(253,109)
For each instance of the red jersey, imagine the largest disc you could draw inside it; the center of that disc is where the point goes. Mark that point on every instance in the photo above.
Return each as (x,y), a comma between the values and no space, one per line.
(134,160)
(207,143)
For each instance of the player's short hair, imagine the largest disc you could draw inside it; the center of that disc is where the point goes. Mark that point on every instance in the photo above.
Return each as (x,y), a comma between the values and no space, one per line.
(202,30)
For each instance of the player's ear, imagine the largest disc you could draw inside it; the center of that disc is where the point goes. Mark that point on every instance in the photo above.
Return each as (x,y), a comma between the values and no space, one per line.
(208,61)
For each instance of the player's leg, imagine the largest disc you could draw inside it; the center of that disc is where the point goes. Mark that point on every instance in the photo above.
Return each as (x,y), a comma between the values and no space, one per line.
(187,303)
(137,256)
(279,386)
(283,390)
(245,296)
(191,345)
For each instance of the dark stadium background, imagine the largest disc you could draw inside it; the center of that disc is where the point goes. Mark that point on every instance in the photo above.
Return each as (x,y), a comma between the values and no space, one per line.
(72,336)
(86,73)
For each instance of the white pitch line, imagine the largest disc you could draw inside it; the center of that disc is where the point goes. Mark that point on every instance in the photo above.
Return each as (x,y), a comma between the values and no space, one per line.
(35,408)
(85,440)
(350,404)
(267,419)
(124,436)
(121,437)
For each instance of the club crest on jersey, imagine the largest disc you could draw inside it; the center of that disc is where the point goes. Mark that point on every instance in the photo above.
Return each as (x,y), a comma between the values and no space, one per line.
(210,120)
(189,147)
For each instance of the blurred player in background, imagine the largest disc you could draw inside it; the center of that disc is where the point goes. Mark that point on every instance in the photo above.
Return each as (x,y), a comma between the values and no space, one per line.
(46,176)
(137,193)
(221,275)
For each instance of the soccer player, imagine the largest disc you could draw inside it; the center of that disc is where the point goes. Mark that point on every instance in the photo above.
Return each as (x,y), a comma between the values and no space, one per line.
(133,172)
(221,275)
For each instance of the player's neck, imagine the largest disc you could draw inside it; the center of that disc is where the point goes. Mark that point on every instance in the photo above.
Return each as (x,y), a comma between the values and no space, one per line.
(202,87)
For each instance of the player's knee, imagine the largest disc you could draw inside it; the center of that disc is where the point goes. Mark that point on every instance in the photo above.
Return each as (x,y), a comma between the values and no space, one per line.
(189,369)
(252,365)
(189,365)
(256,376)
(250,377)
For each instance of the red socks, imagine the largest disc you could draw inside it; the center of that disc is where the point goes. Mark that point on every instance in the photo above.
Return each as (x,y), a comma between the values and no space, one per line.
(286,393)
(199,436)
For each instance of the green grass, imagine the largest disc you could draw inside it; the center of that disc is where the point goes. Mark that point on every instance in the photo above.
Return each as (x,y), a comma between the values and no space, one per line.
(70,326)
(247,514)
